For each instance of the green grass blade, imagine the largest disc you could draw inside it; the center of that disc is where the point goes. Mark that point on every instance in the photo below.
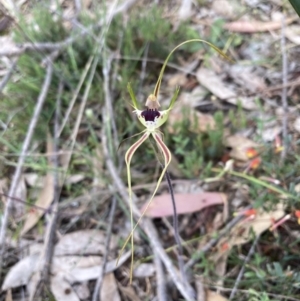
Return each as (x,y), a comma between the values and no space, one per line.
(132,96)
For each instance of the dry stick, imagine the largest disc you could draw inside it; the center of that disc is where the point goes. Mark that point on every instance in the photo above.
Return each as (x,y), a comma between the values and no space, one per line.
(284,92)
(161,292)
(108,98)
(184,288)
(214,241)
(105,257)
(241,273)
(37,110)
(8,75)
(47,253)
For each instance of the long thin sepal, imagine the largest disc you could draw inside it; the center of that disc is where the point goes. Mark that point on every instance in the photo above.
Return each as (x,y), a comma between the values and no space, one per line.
(128,156)
(167,159)
(157,86)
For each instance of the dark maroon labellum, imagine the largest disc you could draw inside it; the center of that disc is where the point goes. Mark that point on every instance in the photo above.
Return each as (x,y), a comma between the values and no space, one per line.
(150,115)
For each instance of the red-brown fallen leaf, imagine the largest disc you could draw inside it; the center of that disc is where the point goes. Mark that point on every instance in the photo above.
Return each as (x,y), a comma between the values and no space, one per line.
(185,203)
(255,26)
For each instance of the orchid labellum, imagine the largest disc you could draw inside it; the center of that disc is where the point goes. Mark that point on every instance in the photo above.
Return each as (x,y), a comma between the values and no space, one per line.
(152,118)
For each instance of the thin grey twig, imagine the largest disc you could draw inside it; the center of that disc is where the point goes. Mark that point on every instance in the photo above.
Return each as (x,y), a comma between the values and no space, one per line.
(160,279)
(97,289)
(50,233)
(184,288)
(108,98)
(8,75)
(39,105)
(284,93)
(214,241)
(241,273)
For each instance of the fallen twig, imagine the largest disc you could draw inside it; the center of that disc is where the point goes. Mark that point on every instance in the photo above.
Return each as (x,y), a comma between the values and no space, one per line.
(97,289)
(284,93)
(241,273)
(8,75)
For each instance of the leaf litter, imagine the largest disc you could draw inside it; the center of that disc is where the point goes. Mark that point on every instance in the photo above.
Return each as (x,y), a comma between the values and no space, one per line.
(238,85)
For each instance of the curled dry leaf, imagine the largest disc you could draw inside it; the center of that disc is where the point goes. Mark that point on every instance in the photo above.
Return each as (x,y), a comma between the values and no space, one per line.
(185,203)
(21,272)
(247,26)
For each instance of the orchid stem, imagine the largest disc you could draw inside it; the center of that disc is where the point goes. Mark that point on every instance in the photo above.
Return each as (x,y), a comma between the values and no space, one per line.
(179,252)
(176,228)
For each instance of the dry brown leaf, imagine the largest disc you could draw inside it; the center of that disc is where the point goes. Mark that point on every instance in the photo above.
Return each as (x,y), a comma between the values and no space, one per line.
(292,32)
(46,196)
(227,8)
(213,296)
(144,270)
(73,268)
(82,290)
(62,290)
(185,203)
(246,77)
(178,79)
(212,82)
(21,193)
(297,124)
(239,145)
(81,242)
(256,26)
(109,290)
(242,232)
(239,141)
(21,272)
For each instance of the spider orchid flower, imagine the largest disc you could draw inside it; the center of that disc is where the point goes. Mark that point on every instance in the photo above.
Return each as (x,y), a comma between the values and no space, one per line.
(152,119)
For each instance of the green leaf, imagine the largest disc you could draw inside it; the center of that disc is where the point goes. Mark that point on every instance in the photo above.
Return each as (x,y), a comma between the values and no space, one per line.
(296,6)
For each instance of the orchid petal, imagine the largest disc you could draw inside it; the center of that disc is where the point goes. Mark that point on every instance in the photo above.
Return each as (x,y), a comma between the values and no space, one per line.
(128,156)
(167,159)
